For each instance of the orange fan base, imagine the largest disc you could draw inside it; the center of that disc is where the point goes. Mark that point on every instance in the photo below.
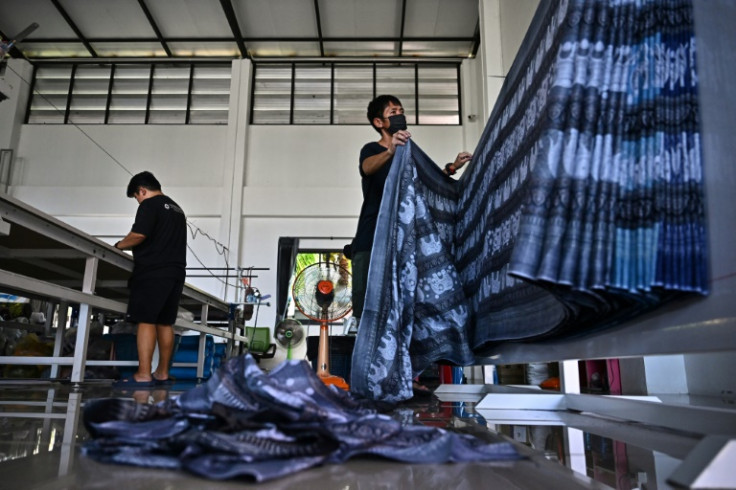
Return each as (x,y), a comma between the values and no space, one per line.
(323,363)
(331,379)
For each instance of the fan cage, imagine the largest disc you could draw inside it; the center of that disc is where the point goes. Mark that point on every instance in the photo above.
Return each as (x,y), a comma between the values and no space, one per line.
(304,291)
(299,333)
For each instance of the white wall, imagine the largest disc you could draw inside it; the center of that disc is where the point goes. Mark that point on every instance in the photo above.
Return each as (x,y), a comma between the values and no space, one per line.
(63,156)
(63,172)
(474,120)
(503,24)
(515,17)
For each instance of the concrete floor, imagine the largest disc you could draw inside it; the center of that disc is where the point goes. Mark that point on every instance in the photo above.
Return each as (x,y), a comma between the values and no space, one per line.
(41,432)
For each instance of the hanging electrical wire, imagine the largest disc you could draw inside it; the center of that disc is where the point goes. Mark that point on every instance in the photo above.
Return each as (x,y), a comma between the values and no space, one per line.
(235,286)
(194,230)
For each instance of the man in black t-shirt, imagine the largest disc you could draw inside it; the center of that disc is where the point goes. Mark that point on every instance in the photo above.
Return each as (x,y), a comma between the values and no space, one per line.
(386,115)
(158,239)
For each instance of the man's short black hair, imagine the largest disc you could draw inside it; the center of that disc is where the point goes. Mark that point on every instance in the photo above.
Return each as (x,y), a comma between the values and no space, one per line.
(378,105)
(145,180)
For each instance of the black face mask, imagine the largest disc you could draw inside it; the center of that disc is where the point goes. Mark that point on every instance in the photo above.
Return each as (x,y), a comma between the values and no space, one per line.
(398,123)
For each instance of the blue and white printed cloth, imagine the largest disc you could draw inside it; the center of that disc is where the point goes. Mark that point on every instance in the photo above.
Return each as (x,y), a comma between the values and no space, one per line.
(583,205)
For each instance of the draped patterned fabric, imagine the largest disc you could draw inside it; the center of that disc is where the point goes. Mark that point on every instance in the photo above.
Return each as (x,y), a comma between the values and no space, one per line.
(415,309)
(244,423)
(582,207)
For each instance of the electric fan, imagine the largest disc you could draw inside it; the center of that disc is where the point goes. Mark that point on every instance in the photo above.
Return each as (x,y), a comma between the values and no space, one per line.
(322,291)
(289,342)
(289,334)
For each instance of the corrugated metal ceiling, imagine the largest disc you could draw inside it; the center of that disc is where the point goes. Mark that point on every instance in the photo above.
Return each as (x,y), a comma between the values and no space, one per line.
(242,28)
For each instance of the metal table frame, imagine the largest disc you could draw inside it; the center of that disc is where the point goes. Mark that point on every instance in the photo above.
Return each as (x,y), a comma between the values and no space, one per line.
(69,243)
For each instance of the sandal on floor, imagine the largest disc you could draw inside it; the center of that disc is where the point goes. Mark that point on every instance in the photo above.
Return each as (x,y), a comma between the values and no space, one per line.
(132,383)
(162,382)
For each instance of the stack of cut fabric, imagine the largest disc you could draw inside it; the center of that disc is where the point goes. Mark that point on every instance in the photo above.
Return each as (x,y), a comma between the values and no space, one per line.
(245,423)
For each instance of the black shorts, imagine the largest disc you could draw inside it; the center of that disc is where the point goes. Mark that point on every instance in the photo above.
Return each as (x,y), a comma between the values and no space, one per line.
(154,300)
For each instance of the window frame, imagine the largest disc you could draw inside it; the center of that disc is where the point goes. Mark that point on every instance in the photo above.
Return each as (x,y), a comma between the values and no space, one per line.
(194,84)
(374,67)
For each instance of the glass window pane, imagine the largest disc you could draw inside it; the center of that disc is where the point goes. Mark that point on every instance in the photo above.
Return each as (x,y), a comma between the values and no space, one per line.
(169,95)
(399,82)
(312,94)
(439,101)
(353,92)
(51,89)
(272,94)
(129,94)
(210,102)
(89,94)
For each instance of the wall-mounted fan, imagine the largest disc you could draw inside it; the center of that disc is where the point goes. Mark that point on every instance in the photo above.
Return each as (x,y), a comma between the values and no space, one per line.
(323,292)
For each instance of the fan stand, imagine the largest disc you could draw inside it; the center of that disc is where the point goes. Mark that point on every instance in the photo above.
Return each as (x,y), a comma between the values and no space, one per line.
(323,361)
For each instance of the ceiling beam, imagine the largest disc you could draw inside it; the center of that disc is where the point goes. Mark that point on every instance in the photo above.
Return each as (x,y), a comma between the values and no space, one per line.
(113,60)
(155,28)
(213,39)
(403,23)
(219,60)
(227,7)
(80,36)
(319,28)
(13,51)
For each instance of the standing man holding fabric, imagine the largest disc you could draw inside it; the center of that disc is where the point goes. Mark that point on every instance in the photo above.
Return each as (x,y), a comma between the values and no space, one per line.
(158,239)
(386,115)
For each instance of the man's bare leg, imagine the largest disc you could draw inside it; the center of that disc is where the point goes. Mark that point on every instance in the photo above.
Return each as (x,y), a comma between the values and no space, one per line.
(165,335)
(146,342)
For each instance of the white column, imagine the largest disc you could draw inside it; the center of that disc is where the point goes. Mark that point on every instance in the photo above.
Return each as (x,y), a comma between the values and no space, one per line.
(473,103)
(234,168)
(490,54)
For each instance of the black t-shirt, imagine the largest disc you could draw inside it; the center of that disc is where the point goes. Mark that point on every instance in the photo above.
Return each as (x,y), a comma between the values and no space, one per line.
(372,194)
(164,251)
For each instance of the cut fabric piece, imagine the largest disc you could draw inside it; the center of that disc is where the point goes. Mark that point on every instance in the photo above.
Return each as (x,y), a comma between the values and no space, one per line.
(583,205)
(245,423)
